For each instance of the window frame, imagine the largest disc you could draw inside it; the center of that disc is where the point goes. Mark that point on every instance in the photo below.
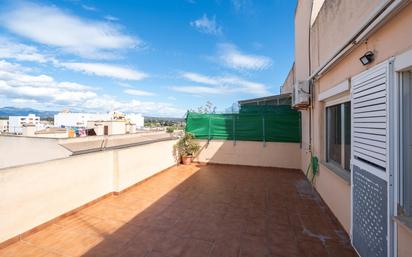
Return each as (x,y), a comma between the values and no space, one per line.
(332,163)
(404,192)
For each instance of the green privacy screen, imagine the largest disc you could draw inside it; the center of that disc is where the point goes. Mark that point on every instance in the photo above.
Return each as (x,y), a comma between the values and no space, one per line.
(252,123)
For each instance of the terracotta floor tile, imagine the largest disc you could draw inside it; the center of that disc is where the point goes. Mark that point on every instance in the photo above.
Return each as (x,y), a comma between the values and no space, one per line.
(66,242)
(170,245)
(214,210)
(78,220)
(312,248)
(254,246)
(103,228)
(196,248)
(45,236)
(23,249)
(226,248)
(111,213)
(256,227)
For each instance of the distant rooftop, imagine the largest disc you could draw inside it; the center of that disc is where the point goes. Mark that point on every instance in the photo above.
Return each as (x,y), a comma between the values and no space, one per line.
(51,130)
(268,100)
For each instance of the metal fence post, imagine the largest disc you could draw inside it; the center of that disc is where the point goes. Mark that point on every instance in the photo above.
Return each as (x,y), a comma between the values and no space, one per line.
(234,129)
(264,131)
(210,124)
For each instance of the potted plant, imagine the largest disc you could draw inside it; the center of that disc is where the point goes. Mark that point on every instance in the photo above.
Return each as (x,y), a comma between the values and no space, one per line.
(186,148)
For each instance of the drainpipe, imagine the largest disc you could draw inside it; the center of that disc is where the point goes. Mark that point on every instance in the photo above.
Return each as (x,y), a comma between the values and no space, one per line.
(310,83)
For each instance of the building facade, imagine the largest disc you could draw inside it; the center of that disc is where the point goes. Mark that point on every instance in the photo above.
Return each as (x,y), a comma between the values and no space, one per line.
(77,120)
(16,123)
(4,126)
(84,120)
(287,86)
(356,59)
(135,119)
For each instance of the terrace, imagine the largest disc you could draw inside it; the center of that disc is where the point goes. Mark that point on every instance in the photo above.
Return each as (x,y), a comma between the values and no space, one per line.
(197,210)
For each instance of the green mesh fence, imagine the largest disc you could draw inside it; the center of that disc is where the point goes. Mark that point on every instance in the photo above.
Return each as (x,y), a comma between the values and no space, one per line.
(252,123)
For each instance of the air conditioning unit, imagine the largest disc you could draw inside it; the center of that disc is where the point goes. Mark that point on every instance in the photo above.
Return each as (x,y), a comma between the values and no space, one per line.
(301,95)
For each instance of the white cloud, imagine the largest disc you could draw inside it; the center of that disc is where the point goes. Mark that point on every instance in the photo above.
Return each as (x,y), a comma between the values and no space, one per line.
(108,103)
(220,85)
(19,101)
(9,67)
(137,92)
(15,83)
(206,25)
(54,27)
(73,86)
(198,90)
(111,18)
(106,70)
(89,8)
(199,78)
(244,6)
(231,57)
(21,52)
(19,88)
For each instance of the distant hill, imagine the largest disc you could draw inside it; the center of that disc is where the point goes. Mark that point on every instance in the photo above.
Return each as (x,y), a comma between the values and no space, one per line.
(159,119)
(14,111)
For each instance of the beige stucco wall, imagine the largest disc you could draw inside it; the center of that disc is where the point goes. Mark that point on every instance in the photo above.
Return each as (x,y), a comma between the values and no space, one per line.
(18,150)
(287,86)
(390,40)
(336,22)
(138,163)
(116,127)
(34,194)
(336,193)
(302,23)
(302,20)
(404,241)
(53,135)
(274,154)
(383,42)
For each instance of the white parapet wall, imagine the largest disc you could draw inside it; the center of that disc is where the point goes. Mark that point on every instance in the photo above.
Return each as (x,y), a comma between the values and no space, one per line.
(37,193)
(17,150)
(269,154)
(148,160)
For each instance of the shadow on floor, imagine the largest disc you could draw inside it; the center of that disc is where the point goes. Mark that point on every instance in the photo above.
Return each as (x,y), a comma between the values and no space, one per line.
(224,210)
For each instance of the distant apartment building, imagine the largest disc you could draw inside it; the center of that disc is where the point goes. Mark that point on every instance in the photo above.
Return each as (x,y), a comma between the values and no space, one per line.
(77,120)
(135,119)
(112,123)
(4,126)
(52,133)
(109,127)
(16,123)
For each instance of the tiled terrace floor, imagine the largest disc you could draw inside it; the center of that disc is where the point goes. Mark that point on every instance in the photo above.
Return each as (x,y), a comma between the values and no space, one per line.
(213,210)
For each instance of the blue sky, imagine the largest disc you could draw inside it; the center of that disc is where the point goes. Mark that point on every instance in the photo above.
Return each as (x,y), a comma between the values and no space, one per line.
(154,57)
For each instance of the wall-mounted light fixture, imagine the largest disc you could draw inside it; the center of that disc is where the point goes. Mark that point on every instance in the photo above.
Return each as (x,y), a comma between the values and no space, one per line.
(367,58)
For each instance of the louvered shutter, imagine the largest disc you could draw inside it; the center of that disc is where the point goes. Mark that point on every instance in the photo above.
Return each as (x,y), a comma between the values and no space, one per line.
(369,116)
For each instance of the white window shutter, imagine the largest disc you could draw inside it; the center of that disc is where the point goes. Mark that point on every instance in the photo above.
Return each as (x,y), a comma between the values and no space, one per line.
(369,115)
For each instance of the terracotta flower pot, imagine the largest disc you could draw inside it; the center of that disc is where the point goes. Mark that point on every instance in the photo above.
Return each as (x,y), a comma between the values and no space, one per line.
(186,160)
